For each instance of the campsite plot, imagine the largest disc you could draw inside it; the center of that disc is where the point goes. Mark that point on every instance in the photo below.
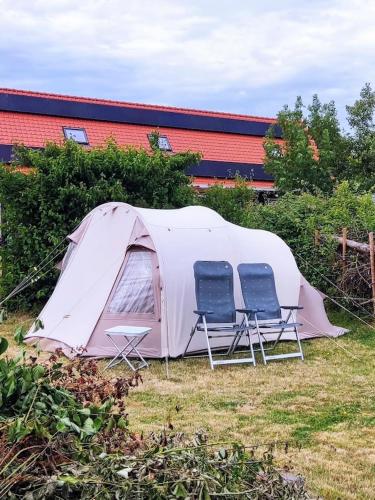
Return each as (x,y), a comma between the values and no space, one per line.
(325,406)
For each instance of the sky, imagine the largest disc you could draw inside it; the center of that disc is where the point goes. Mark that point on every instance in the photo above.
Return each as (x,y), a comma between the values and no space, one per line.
(241,56)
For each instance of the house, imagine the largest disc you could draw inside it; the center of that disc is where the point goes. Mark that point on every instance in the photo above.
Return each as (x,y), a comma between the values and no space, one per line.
(230,144)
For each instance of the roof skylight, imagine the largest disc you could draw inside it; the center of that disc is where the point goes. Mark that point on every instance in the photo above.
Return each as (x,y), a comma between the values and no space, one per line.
(163,142)
(76,134)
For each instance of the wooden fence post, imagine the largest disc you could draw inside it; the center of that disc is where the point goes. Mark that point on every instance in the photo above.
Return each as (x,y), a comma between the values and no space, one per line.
(372,265)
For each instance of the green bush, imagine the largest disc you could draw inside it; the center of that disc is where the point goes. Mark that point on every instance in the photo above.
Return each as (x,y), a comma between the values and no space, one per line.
(232,204)
(296,217)
(41,400)
(65,183)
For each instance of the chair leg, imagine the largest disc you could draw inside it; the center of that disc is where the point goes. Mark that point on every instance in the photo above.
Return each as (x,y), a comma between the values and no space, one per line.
(239,335)
(299,343)
(260,340)
(249,338)
(277,340)
(233,345)
(208,343)
(236,339)
(193,330)
(295,354)
(294,319)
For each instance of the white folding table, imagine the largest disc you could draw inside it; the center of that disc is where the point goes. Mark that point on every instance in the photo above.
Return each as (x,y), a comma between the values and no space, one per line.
(133,336)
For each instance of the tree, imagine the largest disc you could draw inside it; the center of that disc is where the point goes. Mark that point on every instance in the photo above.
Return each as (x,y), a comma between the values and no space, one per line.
(64,184)
(331,144)
(312,152)
(361,118)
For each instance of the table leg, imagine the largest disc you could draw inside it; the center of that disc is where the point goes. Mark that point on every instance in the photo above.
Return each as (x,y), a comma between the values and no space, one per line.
(131,345)
(134,344)
(119,353)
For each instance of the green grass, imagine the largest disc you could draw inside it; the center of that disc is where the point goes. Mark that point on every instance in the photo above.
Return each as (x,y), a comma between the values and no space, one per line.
(324,407)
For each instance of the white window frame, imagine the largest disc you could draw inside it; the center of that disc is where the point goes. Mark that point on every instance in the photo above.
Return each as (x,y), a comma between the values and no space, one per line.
(80,129)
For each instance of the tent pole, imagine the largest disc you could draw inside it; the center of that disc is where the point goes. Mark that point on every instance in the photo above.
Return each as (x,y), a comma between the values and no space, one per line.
(167,366)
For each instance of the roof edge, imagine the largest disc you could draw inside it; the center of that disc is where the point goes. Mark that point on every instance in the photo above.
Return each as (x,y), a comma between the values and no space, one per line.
(53,95)
(115,113)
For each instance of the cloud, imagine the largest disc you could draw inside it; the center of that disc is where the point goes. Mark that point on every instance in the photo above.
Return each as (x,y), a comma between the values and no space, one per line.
(237,56)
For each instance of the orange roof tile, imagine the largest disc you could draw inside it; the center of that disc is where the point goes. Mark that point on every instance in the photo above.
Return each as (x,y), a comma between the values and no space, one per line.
(35,130)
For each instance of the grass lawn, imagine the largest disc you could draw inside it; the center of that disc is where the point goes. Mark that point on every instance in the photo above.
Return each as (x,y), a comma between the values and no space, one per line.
(324,407)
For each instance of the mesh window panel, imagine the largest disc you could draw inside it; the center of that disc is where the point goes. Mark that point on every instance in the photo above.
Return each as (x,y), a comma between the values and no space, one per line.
(134,292)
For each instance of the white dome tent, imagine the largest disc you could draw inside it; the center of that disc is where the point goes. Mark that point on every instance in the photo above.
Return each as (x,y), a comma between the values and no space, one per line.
(134,266)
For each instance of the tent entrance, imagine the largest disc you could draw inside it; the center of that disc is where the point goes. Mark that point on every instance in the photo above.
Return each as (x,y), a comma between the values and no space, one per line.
(134,294)
(134,300)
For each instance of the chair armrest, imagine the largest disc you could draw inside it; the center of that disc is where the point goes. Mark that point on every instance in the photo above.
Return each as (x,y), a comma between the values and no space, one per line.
(250,311)
(202,313)
(291,307)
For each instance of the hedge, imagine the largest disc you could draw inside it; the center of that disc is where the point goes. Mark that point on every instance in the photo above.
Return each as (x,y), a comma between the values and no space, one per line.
(66,182)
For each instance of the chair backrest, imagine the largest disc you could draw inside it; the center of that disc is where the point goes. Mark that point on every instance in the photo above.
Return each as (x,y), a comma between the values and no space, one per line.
(258,290)
(214,290)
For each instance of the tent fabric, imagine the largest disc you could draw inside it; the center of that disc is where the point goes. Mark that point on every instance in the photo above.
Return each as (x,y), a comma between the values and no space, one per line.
(79,310)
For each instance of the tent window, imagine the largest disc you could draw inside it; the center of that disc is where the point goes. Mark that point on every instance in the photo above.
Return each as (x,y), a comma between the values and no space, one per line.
(134,292)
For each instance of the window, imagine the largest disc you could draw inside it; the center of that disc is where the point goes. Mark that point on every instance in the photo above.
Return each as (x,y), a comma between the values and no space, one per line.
(76,134)
(134,292)
(163,142)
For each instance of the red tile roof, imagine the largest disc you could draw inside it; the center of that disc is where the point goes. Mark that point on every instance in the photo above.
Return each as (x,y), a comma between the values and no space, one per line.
(35,130)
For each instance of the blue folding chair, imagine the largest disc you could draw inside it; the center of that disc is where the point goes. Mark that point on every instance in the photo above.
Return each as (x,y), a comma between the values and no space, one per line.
(260,298)
(216,309)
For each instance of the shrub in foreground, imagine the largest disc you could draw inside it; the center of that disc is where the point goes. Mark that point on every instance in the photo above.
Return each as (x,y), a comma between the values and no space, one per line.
(64,434)
(42,400)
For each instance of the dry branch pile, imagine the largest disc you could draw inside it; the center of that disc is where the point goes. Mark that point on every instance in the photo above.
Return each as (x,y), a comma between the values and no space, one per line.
(353,266)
